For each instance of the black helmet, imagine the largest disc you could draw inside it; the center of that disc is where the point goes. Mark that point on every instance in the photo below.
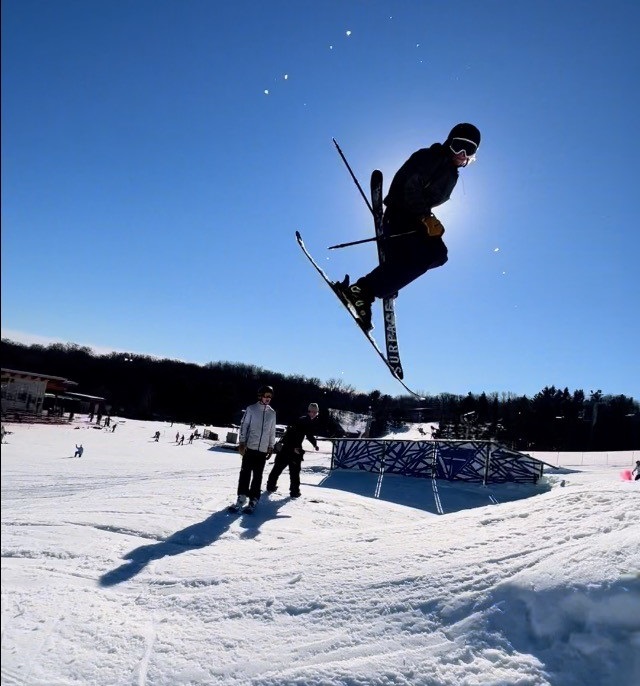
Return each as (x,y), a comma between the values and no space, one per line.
(466,131)
(265,389)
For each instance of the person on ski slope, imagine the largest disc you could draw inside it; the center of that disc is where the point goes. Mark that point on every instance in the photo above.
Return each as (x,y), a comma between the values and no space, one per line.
(423,182)
(256,441)
(636,471)
(291,453)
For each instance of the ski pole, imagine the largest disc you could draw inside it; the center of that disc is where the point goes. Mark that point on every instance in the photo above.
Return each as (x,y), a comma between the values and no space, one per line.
(368,240)
(353,176)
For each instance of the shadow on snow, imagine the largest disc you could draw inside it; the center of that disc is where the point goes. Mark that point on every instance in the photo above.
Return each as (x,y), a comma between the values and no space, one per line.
(192,537)
(431,495)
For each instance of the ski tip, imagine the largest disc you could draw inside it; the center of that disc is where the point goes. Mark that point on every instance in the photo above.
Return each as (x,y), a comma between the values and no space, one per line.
(298,236)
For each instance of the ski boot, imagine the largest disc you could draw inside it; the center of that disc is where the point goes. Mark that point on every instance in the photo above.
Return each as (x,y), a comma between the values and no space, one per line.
(358,299)
(249,509)
(239,504)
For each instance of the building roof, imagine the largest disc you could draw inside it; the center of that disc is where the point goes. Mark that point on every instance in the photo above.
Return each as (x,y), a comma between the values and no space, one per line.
(84,396)
(36,375)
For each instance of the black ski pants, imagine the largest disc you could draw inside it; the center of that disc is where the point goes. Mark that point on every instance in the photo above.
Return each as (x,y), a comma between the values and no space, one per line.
(286,459)
(406,258)
(251,469)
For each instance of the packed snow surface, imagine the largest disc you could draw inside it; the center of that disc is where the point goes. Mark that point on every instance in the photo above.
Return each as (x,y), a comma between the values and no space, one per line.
(124,567)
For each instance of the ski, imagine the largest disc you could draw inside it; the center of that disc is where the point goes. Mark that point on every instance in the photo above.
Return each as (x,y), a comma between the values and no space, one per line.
(347,305)
(388,304)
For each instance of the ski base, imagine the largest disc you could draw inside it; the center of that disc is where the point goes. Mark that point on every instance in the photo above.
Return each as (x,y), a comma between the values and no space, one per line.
(388,304)
(354,316)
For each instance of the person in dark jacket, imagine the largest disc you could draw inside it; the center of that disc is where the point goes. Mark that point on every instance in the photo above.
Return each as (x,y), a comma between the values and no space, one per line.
(415,243)
(291,452)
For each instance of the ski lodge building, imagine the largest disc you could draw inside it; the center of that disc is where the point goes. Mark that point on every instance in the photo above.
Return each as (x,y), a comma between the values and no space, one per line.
(33,396)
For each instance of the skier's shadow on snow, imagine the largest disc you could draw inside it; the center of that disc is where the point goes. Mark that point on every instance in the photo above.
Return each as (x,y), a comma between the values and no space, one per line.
(267,509)
(192,537)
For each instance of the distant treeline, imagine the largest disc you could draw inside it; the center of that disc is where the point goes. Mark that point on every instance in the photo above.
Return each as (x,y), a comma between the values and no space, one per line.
(143,387)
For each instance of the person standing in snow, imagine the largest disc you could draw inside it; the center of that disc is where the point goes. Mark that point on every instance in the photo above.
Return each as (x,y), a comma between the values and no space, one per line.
(636,471)
(291,452)
(79,450)
(256,441)
(415,243)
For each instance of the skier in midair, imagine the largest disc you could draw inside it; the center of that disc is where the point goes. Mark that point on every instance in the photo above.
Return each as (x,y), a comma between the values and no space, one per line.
(423,182)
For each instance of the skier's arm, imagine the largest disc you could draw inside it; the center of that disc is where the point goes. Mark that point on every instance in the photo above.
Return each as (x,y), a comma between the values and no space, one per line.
(298,434)
(416,198)
(272,436)
(310,436)
(418,172)
(419,200)
(244,431)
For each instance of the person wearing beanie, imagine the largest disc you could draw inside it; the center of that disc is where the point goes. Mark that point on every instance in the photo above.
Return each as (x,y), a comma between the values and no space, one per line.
(290,452)
(256,441)
(426,180)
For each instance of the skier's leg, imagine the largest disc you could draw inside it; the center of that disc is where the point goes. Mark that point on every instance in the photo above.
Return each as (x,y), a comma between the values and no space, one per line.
(294,474)
(245,475)
(277,469)
(257,468)
(410,257)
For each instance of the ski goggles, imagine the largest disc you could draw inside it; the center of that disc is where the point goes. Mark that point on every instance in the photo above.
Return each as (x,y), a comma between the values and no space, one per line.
(463,145)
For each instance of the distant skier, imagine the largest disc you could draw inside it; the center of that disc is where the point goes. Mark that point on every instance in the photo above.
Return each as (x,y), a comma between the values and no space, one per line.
(79,450)
(291,453)
(257,438)
(423,182)
(636,471)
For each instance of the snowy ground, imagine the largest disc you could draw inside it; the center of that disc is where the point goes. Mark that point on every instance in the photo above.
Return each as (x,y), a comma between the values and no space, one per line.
(123,567)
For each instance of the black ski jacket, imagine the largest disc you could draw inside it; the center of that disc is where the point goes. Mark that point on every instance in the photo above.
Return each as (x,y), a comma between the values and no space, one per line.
(423,182)
(303,427)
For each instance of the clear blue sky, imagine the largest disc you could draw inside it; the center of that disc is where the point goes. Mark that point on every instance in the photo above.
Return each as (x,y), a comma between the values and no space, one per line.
(158,156)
